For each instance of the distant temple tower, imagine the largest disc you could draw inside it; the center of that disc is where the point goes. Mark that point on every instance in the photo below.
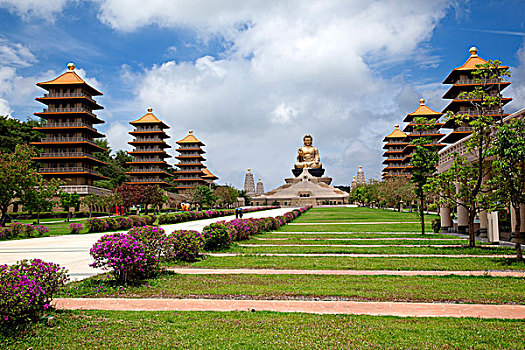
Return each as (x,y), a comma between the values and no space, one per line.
(395,162)
(191,168)
(260,188)
(68,144)
(462,80)
(149,165)
(249,184)
(360,178)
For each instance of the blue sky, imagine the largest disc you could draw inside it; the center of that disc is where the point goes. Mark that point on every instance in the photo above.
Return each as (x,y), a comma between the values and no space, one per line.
(252,77)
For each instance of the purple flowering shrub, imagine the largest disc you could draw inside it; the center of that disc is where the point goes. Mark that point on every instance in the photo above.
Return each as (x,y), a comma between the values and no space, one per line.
(27,288)
(153,237)
(75,228)
(124,223)
(128,259)
(241,229)
(216,236)
(41,229)
(18,229)
(5,233)
(112,224)
(136,220)
(96,225)
(184,245)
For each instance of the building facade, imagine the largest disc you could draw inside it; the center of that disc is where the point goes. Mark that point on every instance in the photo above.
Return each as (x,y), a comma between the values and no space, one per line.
(190,166)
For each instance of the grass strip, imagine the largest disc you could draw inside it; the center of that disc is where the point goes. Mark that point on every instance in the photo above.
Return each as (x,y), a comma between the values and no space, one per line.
(313,235)
(263,330)
(458,289)
(355,228)
(356,242)
(358,215)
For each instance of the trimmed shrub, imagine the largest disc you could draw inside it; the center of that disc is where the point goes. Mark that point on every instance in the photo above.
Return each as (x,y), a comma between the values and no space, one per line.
(150,219)
(75,228)
(18,229)
(184,245)
(27,288)
(41,229)
(128,259)
(136,220)
(153,237)
(241,229)
(216,236)
(96,225)
(124,223)
(5,233)
(112,224)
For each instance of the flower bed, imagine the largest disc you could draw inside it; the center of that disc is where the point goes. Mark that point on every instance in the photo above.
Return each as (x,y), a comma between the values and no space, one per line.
(118,223)
(207,214)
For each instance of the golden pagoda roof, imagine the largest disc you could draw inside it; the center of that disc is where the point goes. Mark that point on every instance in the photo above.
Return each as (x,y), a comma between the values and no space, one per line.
(149,118)
(68,78)
(469,65)
(208,174)
(190,139)
(396,133)
(424,109)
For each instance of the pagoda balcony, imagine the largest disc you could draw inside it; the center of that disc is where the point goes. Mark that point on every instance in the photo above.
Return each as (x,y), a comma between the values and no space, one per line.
(145,129)
(485,112)
(69,94)
(479,81)
(140,159)
(67,155)
(149,179)
(67,139)
(69,110)
(67,125)
(150,170)
(68,170)
(151,139)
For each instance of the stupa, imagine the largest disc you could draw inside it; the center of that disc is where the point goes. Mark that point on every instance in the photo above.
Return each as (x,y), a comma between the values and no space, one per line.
(308,186)
(249,184)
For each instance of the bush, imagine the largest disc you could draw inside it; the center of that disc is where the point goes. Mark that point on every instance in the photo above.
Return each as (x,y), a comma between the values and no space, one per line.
(27,288)
(241,229)
(136,220)
(112,224)
(436,225)
(96,225)
(128,259)
(41,229)
(18,229)
(124,223)
(184,245)
(150,219)
(216,236)
(153,237)
(75,228)
(5,233)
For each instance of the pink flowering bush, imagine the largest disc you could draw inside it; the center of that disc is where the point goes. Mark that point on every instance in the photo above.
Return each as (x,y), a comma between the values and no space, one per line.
(75,228)
(184,245)
(128,259)
(41,229)
(124,223)
(27,288)
(112,224)
(5,233)
(18,229)
(241,229)
(136,220)
(153,237)
(216,236)
(96,225)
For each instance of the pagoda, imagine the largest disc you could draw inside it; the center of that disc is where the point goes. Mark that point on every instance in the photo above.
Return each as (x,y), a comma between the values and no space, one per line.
(148,166)
(412,132)
(68,145)
(190,164)
(463,80)
(395,144)
(249,183)
(208,176)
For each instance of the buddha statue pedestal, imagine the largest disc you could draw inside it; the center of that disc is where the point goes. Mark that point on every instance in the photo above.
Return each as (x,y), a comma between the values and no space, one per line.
(317,172)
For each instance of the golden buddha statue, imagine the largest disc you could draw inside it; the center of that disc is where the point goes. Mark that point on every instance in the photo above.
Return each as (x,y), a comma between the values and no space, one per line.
(308,155)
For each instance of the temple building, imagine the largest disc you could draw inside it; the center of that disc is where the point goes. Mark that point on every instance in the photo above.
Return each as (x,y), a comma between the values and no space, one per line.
(69,142)
(191,168)
(433,134)
(259,189)
(209,177)
(149,166)
(395,144)
(360,178)
(463,80)
(249,184)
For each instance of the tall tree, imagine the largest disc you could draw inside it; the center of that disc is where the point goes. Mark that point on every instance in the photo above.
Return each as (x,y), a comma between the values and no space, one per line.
(69,200)
(116,166)
(15,132)
(17,176)
(463,184)
(153,195)
(508,172)
(227,194)
(39,198)
(204,196)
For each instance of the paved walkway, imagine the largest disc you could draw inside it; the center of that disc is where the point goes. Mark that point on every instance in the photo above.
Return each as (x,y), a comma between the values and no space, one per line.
(72,251)
(356,255)
(196,271)
(316,307)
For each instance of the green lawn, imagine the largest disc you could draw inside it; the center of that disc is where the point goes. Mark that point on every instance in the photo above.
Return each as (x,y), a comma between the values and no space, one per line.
(353,263)
(264,330)
(313,235)
(458,289)
(358,215)
(355,242)
(356,228)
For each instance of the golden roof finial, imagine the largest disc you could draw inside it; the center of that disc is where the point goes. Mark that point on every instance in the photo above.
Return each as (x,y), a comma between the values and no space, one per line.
(150,110)
(259,179)
(249,169)
(353,178)
(191,131)
(360,167)
(422,101)
(473,51)
(71,66)
(397,126)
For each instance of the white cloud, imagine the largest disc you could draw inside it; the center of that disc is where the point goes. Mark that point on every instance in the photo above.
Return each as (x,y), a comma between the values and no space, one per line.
(118,137)
(517,87)
(28,9)
(293,67)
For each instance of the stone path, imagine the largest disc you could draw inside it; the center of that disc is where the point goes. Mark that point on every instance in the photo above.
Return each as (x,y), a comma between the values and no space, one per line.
(316,307)
(72,251)
(197,271)
(357,255)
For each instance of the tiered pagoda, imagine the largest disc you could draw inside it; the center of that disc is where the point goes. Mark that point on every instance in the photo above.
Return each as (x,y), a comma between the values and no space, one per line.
(463,80)
(68,144)
(149,166)
(395,144)
(208,176)
(191,167)
(433,134)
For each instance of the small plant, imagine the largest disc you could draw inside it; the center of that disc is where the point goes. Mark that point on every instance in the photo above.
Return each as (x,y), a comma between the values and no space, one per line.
(216,236)
(41,229)
(75,228)
(436,225)
(27,288)
(128,259)
(184,245)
